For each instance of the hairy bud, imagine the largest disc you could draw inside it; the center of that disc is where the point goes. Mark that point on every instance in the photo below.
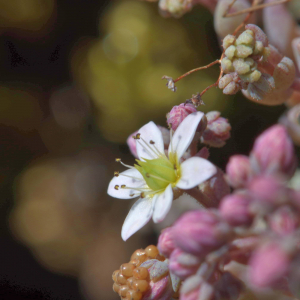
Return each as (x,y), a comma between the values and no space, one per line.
(165,242)
(238,171)
(198,232)
(179,113)
(268,264)
(284,220)
(273,152)
(217,130)
(183,264)
(235,210)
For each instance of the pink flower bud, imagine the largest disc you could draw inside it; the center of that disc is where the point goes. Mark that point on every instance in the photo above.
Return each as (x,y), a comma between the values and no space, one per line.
(238,171)
(217,130)
(198,232)
(160,290)
(179,113)
(273,152)
(284,221)
(268,190)
(165,242)
(183,264)
(268,264)
(235,210)
(161,287)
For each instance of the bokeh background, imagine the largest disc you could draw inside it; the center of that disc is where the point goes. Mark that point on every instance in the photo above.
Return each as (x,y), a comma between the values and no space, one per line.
(76,78)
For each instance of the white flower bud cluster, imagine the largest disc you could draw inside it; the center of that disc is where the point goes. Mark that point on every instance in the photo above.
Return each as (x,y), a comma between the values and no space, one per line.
(175,8)
(240,61)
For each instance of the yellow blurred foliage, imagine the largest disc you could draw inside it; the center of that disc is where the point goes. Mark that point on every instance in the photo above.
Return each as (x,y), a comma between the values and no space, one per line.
(122,71)
(30,15)
(20,108)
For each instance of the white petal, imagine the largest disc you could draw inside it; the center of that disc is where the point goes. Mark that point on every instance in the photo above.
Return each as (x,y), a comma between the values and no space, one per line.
(194,171)
(184,134)
(136,182)
(139,215)
(149,132)
(162,204)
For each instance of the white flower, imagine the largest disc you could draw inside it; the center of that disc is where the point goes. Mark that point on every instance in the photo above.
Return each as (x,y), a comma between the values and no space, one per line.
(155,175)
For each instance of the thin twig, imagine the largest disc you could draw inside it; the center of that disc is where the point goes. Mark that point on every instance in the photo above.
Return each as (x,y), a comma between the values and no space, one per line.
(228,8)
(254,8)
(197,69)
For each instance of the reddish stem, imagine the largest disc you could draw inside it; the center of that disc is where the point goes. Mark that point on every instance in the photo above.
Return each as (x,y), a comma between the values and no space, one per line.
(197,69)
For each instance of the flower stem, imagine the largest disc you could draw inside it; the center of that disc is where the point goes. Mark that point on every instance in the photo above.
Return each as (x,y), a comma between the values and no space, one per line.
(252,8)
(201,198)
(197,69)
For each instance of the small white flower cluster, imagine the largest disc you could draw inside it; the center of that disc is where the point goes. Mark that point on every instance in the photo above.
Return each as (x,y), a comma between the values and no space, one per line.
(240,63)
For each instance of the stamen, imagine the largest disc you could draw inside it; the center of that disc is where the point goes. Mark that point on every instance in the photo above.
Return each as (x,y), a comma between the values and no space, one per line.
(127,166)
(134,195)
(147,149)
(143,195)
(138,135)
(157,177)
(161,154)
(152,142)
(116,173)
(116,187)
(123,186)
(171,137)
(150,147)
(136,178)
(175,168)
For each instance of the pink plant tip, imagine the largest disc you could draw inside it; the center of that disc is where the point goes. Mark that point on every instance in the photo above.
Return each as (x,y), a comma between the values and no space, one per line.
(273,152)
(238,171)
(179,113)
(235,209)
(183,264)
(165,242)
(201,231)
(268,264)
(217,130)
(268,190)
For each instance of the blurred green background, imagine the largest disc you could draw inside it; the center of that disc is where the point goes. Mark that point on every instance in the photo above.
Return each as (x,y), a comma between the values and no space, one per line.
(77,77)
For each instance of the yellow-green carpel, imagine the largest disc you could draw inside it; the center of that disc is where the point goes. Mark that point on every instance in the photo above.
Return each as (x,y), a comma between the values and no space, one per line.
(158,173)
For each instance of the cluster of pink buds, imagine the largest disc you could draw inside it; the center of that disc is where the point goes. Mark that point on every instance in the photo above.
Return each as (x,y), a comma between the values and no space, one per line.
(213,130)
(201,243)
(257,226)
(246,236)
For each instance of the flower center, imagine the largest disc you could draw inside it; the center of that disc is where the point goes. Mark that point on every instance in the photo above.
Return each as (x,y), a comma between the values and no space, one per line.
(158,173)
